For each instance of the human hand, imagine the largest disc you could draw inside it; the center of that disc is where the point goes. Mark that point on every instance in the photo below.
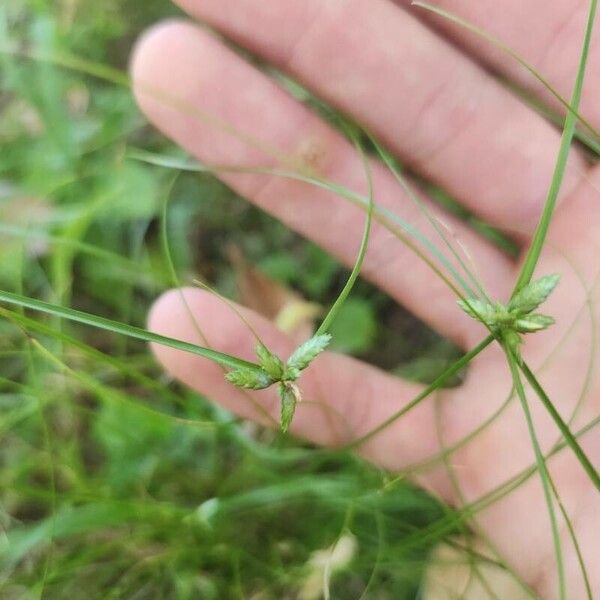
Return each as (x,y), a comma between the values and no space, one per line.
(443,114)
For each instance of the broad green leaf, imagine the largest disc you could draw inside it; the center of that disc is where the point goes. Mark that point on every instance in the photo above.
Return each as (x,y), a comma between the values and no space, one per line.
(269,362)
(249,379)
(307,352)
(533,294)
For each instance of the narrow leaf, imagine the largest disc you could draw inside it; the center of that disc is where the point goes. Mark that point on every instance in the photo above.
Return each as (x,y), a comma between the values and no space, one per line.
(124,329)
(307,352)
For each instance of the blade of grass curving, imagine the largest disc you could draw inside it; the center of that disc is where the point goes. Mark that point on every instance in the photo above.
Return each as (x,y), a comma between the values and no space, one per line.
(553,116)
(345,292)
(432,387)
(166,248)
(124,329)
(389,162)
(539,237)
(446,14)
(562,426)
(403,230)
(431,462)
(542,469)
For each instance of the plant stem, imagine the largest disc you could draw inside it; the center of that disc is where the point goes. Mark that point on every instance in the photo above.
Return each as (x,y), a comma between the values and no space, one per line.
(541,231)
(562,426)
(337,305)
(128,330)
(437,383)
(542,468)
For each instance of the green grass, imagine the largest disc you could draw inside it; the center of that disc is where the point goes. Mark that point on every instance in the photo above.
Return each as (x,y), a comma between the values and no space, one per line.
(116,482)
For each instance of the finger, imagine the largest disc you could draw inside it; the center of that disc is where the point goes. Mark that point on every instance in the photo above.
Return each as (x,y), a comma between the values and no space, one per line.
(548,35)
(191,65)
(431,105)
(342,398)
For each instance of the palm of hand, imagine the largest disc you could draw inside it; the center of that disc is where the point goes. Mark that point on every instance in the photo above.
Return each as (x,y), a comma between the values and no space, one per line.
(457,127)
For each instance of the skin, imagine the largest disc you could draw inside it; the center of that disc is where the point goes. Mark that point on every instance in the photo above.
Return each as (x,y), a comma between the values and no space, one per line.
(425,89)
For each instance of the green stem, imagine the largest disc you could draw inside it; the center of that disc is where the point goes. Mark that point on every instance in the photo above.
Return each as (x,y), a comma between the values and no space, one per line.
(514,55)
(541,231)
(337,305)
(543,470)
(128,330)
(562,426)
(436,384)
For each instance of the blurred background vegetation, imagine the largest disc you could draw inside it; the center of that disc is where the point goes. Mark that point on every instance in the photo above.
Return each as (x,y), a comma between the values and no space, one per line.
(115,482)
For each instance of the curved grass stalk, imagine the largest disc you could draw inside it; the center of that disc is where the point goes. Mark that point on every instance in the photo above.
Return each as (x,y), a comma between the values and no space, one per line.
(445,526)
(541,232)
(388,161)
(446,452)
(446,14)
(362,251)
(166,248)
(403,230)
(575,541)
(118,78)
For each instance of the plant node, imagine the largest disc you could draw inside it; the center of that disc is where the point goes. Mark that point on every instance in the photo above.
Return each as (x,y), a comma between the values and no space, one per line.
(510,321)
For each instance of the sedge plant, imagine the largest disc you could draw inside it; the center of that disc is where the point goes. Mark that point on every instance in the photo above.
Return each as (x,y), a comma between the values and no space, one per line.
(506,322)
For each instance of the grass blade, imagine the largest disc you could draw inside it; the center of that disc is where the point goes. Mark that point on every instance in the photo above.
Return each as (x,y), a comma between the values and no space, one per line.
(543,471)
(446,14)
(123,329)
(343,295)
(541,231)
(460,364)
(562,426)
